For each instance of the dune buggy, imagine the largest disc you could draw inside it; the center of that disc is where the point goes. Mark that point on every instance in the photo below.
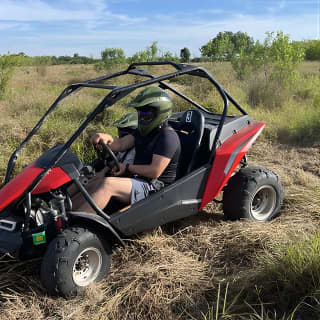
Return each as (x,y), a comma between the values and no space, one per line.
(36,216)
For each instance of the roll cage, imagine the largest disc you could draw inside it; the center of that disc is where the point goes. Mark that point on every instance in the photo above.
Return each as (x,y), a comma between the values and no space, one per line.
(117,93)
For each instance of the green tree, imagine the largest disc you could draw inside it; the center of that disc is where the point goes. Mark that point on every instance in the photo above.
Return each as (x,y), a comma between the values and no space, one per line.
(283,56)
(153,50)
(8,62)
(149,54)
(312,49)
(140,56)
(227,45)
(112,56)
(277,58)
(168,56)
(185,55)
(270,68)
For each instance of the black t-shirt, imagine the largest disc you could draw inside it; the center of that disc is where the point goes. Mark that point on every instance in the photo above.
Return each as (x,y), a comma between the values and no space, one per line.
(164,142)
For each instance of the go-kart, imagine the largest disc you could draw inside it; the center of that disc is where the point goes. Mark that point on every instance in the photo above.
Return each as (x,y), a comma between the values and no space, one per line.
(36,216)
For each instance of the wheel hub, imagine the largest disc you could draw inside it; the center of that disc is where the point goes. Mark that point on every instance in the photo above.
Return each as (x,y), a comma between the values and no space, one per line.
(263,203)
(87,266)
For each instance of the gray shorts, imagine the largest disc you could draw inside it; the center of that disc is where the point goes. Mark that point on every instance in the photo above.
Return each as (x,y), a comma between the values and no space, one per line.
(140,190)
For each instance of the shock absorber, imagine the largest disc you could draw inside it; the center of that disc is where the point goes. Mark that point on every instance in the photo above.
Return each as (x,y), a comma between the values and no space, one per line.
(58,210)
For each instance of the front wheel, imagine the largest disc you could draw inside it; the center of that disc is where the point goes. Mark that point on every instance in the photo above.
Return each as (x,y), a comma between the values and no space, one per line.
(73,260)
(253,193)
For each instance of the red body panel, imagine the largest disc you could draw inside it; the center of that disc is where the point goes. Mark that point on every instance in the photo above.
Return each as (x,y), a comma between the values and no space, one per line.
(227,158)
(14,188)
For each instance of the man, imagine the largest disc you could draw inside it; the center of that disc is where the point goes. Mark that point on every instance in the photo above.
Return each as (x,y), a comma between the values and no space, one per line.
(157,154)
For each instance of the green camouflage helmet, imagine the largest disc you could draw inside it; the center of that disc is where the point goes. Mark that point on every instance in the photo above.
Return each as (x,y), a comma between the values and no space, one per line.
(128,121)
(159,102)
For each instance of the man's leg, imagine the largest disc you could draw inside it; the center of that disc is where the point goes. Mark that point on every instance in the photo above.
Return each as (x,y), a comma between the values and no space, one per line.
(102,191)
(73,189)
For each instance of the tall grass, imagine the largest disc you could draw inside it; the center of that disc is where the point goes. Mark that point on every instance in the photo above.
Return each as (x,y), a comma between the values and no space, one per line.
(201,267)
(287,281)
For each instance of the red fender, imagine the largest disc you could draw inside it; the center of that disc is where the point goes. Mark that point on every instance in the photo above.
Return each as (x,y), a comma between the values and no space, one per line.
(227,158)
(15,187)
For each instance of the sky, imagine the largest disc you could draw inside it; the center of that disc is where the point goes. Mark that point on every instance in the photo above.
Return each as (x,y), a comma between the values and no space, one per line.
(87,27)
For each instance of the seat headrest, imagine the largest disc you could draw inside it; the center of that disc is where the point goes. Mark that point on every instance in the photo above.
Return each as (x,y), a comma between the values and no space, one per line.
(192,119)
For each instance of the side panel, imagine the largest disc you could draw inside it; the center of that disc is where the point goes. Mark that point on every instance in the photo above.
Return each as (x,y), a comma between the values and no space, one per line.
(179,200)
(227,158)
(54,179)
(15,187)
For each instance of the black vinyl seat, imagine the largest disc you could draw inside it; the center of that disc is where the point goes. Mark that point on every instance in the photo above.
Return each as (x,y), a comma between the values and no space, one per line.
(190,130)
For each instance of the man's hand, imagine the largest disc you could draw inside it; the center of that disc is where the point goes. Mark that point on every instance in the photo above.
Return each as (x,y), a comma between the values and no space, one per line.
(121,172)
(106,138)
(116,144)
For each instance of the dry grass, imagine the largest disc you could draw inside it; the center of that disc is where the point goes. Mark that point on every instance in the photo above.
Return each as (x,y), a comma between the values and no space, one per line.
(176,271)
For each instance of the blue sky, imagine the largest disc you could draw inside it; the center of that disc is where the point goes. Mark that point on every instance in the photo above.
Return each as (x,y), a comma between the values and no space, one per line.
(86,27)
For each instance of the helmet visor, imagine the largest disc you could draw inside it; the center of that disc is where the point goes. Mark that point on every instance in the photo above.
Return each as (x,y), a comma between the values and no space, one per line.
(145,116)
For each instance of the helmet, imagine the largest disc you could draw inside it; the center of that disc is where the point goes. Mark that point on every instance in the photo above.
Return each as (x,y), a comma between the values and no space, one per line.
(154,106)
(127,123)
(129,120)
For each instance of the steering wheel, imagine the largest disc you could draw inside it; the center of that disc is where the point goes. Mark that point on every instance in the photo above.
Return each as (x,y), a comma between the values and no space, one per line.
(104,152)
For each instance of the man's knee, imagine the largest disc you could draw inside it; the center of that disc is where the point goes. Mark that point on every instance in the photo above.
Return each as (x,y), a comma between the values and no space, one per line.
(109,182)
(113,184)
(119,187)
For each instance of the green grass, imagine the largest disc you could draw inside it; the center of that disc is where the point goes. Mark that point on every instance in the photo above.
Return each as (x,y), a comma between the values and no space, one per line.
(285,285)
(277,281)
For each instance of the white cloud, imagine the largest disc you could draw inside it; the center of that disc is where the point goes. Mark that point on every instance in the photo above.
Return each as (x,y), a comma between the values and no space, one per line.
(8,25)
(37,10)
(211,11)
(174,36)
(97,27)
(20,26)
(93,13)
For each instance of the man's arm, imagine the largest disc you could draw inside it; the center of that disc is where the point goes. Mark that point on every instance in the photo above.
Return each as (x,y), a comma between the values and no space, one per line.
(116,144)
(152,171)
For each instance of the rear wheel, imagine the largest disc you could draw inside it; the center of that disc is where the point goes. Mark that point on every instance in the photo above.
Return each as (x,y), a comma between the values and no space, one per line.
(75,259)
(253,193)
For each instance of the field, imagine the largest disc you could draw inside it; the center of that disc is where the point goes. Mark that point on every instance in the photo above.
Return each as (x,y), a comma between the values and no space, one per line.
(198,268)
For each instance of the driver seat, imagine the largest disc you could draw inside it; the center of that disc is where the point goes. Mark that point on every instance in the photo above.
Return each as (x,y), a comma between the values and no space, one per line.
(190,131)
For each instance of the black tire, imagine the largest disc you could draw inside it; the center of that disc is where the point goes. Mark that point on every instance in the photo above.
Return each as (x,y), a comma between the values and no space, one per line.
(73,260)
(253,193)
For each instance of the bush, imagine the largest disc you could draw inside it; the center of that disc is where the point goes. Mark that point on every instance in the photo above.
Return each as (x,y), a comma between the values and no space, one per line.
(149,54)
(109,58)
(185,55)
(7,64)
(307,129)
(312,50)
(271,68)
(226,45)
(267,94)
(277,58)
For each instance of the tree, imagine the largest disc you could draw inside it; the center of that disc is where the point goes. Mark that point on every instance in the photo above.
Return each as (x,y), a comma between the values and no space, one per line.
(283,55)
(270,67)
(8,62)
(149,54)
(153,50)
(227,45)
(168,56)
(278,57)
(185,55)
(312,48)
(112,56)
